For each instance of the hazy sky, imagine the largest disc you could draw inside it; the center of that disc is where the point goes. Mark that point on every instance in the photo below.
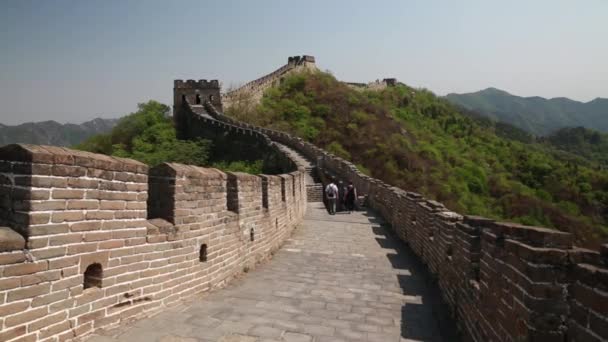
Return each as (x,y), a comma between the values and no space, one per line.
(71,61)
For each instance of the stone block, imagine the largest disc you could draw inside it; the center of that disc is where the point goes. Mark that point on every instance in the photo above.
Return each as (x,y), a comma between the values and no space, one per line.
(10,240)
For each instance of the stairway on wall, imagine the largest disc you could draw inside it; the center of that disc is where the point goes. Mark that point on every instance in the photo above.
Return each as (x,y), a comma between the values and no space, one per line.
(314,187)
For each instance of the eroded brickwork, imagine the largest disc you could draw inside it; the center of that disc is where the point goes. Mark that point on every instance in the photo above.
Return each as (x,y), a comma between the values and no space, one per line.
(107,240)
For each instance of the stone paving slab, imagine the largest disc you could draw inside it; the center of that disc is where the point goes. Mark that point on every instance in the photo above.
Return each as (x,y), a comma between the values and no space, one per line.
(339,278)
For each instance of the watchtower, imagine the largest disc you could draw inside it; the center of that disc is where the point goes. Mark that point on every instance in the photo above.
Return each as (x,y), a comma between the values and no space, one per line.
(194,94)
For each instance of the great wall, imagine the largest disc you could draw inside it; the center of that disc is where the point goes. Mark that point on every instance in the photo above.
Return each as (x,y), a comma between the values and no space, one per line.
(91,242)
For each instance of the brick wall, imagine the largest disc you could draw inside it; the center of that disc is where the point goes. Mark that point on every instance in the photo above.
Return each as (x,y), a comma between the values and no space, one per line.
(500,281)
(103,240)
(253,91)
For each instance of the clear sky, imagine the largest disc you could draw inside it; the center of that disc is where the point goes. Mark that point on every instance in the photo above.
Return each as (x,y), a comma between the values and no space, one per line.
(71,61)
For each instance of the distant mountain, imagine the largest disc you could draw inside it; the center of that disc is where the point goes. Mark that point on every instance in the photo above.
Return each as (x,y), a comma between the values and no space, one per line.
(536,115)
(54,133)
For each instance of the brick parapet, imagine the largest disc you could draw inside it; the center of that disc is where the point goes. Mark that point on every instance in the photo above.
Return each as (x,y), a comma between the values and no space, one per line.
(501,281)
(70,212)
(255,89)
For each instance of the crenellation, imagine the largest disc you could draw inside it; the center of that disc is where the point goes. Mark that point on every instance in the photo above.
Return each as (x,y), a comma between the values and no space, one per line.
(143,228)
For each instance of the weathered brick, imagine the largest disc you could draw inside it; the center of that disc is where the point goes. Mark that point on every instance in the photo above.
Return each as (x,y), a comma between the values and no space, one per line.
(83,204)
(83,183)
(55,330)
(38,218)
(97,236)
(63,262)
(41,181)
(65,239)
(48,229)
(113,186)
(12,308)
(67,283)
(112,205)
(40,277)
(12,258)
(68,171)
(9,283)
(136,205)
(68,194)
(85,226)
(112,244)
(25,268)
(43,205)
(67,216)
(99,215)
(24,317)
(9,334)
(29,194)
(50,298)
(28,292)
(35,242)
(82,248)
(70,271)
(47,321)
(48,253)
(90,316)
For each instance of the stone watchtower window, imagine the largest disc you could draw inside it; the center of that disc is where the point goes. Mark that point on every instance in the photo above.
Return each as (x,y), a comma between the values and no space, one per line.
(92,276)
(211,98)
(198,99)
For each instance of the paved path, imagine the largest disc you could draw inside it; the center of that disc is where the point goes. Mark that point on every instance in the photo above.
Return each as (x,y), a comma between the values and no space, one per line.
(339,278)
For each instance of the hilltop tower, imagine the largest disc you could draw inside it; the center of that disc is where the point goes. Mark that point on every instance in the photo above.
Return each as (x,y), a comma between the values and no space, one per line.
(194,93)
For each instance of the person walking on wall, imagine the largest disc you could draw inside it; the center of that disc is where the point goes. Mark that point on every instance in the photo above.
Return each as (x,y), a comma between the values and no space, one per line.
(331,191)
(350,197)
(340,204)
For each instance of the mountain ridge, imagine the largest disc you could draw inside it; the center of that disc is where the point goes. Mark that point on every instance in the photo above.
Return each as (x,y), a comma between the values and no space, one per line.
(535,114)
(50,132)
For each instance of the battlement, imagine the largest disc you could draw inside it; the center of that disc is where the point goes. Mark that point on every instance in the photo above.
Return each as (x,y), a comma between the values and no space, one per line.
(89,241)
(192,84)
(298,60)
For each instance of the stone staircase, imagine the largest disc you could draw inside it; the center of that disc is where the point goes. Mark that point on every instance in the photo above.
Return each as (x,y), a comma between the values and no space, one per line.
(314,187)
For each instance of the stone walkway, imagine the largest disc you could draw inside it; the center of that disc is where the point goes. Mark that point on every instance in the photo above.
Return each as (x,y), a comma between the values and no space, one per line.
(339,278)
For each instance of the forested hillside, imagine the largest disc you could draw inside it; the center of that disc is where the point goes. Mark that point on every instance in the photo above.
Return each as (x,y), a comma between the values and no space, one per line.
(148,135)
(413,139)
(536,115)
(589,144)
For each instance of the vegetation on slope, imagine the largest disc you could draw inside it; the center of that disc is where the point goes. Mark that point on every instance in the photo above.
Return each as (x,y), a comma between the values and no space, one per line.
(419,142)
(581,141)
(149,136)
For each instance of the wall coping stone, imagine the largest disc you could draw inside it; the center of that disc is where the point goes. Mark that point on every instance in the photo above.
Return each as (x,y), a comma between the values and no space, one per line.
(65,156)
(10,240)
(182,170)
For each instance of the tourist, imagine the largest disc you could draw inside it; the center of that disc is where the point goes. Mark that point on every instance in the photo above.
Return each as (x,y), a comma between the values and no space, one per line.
(331,192)
(350,197)
(341,205)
